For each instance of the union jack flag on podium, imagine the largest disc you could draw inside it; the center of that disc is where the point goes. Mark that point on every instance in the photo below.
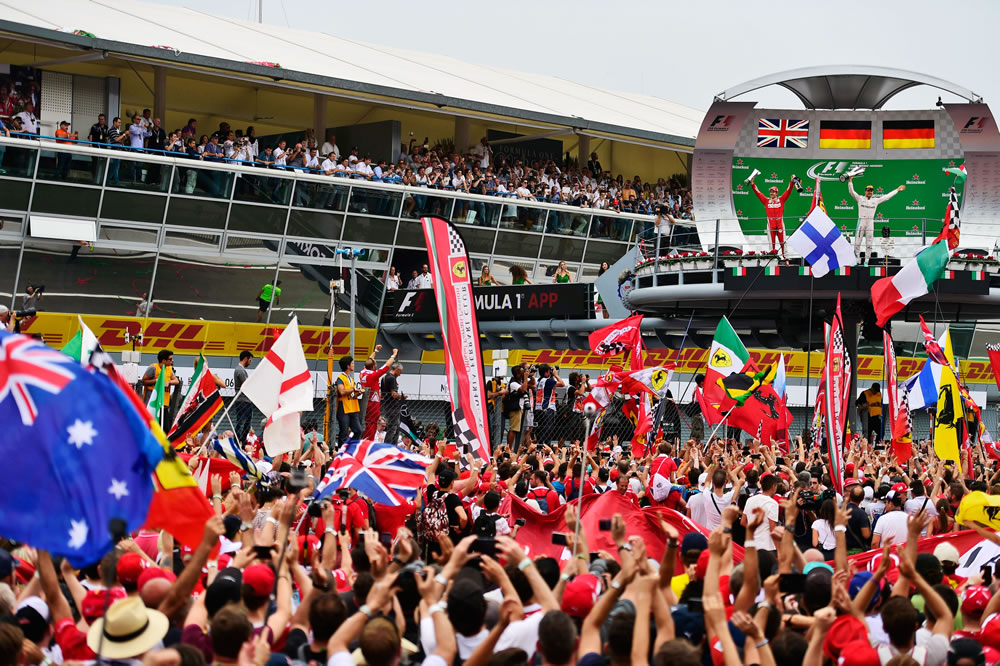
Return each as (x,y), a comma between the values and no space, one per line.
(782,133)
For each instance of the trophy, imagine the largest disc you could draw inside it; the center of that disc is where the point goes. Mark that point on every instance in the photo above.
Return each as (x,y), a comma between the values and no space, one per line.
(797,182)
(852,173)
(753,174)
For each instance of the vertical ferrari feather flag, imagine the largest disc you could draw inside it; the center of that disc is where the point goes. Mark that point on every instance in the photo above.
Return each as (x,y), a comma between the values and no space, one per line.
(950,423)
(463,360)
(951,230)
(837,396)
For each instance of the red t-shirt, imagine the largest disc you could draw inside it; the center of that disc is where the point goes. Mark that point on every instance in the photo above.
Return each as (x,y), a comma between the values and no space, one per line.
(543,493)
(72,641)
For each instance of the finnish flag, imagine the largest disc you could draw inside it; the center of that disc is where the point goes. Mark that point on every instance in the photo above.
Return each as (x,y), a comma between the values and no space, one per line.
(822,245)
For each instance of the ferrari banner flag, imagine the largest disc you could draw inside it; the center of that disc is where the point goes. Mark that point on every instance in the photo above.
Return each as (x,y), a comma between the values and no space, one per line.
(616,338)
(899,413)
(949,429)
(460,334)
(837,397)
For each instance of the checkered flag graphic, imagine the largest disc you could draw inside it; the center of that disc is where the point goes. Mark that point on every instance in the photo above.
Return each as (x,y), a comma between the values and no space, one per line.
(465,439)
(904,406)
(455,243)
(611,348)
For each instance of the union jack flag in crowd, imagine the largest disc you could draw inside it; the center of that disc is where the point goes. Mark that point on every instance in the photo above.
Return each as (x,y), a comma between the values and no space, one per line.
(401,470)
(347,472)
(782,133)
(30,372)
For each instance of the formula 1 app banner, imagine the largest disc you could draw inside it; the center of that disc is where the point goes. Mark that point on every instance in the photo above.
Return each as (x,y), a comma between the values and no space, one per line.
(924,198)
(494,303)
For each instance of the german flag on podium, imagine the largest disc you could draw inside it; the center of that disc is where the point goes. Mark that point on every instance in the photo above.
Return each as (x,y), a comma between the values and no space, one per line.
(845,134)
(908,133)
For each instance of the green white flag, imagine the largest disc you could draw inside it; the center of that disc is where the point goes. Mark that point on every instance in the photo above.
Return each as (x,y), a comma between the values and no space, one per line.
(155,403)
(81,345)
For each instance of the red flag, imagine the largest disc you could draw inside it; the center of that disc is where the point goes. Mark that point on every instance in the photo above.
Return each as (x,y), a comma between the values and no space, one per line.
(817,200)
(994,351)
(931,345)
(711,415)
(899,431)
(617,338)
(837,396)
(463,361)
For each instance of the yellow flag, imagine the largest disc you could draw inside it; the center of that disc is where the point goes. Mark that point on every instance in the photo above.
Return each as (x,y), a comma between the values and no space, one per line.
(950,416)
(979,507)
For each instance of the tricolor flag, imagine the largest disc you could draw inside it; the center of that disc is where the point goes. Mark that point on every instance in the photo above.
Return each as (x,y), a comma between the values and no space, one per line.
(908,133)
(234,454)
(81,345)
(281,387)
(856,134)
(957,172)
(202,402)
(892,294)
(727,356)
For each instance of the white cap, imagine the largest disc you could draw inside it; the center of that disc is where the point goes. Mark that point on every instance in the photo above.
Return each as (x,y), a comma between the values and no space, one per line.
(4,309)
(945,552)
(35,603)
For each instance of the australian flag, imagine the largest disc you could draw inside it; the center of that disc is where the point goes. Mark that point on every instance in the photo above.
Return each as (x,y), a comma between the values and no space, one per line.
(346,471)
(84,455)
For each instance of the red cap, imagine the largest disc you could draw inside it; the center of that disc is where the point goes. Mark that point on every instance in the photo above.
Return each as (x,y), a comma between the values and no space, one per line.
(702,566)
(766,475)
(613,475)
(851,482)
(154,572)
(844,630)
(580,595)
(858,653)
(975,599)
(130,567)
(784,477)
(849,468)
(260,578)
(900,487)
(94,601)
(748,467)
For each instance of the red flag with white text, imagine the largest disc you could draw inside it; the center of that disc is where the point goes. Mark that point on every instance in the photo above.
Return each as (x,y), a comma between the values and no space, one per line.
(617,338)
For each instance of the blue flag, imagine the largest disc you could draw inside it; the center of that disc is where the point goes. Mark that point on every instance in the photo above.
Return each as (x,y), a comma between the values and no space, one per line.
(83,454)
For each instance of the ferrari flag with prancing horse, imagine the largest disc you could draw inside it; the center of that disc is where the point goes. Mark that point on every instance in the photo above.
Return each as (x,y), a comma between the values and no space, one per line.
(460,333)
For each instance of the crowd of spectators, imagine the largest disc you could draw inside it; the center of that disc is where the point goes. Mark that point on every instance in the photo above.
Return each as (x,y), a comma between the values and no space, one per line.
(479,169)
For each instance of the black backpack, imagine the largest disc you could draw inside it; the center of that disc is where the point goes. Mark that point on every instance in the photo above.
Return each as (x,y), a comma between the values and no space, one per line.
(485,525)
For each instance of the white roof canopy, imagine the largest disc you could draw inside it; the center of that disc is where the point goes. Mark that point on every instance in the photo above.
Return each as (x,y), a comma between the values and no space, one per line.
(315,58)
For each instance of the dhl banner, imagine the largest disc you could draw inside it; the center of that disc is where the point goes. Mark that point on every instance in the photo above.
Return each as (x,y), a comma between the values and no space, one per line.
(193,336)
(693,360)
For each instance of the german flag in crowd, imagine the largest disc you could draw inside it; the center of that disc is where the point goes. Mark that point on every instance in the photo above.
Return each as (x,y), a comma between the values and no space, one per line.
(845,134)
(908,133)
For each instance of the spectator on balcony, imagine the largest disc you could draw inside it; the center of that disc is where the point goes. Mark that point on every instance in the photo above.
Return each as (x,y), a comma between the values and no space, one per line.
(115,138)
(412,284)
(266,158)
(253,146)
(158,142)
(63,160)
(213,151)
(29,122)
(312,160)
(202,142)
(99,130)
(518,275)
(145,306)
(486,278)
(191,129)
(145,121)
(329,165)
(392,279)
(523,192)
(331,147)
(424,279)
(562,275)
(484,153)
(222,132)
(190,176)
(137,133)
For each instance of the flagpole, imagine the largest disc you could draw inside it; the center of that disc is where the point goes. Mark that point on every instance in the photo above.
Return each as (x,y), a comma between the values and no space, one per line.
(809,337)
(579,495)
(726,416)
(660,406)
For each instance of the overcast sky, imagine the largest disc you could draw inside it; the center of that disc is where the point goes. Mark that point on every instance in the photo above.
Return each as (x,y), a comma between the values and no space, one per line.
(681,51)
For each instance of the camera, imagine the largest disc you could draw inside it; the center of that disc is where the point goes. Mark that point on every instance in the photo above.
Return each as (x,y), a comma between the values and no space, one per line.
(297,481)
(26,312)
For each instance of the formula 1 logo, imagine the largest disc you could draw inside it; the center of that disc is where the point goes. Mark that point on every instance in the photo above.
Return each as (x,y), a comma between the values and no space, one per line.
(720,124)
(974,125)
(830,170)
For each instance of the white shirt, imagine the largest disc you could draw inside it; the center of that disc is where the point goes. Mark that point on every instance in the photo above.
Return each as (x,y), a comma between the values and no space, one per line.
(696,506)
(423,281)
(279,156)
(328,148)
(392,282)
(875,509)
(379,436)
(312,161)
(827,540)
(714,516)
(328,166)
(29,123)
(762,536)
(913,506)
(892,524)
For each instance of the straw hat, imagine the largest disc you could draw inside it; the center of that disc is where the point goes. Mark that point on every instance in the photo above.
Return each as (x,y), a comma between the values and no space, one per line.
(132,629)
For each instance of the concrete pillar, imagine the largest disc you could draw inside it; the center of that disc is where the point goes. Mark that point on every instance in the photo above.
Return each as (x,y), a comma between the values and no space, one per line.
(319,117)
(462,139)
(159,94)
(583,150)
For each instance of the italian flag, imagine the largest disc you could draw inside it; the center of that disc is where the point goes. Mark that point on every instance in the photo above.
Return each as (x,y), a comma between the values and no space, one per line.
(728,355)
(739,270)
(959,172)
(772,270)
(805,270)
(81,345)
(892,294)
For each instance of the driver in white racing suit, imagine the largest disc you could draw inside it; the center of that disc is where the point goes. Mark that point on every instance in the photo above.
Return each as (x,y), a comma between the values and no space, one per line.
(866,215)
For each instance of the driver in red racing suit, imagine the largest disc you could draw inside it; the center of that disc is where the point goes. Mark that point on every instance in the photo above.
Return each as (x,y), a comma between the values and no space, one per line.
(775,206)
